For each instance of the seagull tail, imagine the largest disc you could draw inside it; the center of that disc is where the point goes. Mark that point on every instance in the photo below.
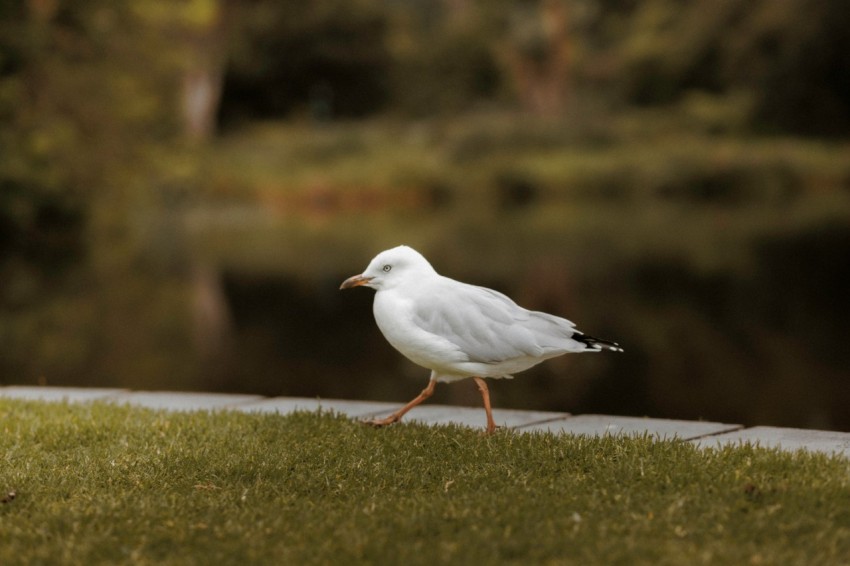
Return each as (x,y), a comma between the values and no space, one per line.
(595,344)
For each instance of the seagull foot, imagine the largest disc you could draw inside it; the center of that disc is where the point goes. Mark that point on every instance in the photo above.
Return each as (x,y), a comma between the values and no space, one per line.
(380,423)
(489,431)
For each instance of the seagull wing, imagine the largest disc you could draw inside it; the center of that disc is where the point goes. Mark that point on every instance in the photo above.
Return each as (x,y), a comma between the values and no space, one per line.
(488,327)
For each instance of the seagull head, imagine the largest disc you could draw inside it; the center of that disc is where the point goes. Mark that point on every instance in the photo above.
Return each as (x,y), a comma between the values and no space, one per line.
(390,268)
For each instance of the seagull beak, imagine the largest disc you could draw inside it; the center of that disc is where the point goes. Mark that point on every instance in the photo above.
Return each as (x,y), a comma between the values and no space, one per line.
(355,281)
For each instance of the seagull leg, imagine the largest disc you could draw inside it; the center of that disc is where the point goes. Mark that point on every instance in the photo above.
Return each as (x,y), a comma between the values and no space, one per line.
(395,417)
(485,395)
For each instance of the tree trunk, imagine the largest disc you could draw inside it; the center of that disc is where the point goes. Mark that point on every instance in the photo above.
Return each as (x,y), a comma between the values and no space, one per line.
(203,78)
(538,58)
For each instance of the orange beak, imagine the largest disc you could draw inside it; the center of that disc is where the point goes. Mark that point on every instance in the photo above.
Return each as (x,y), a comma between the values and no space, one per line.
(355,281)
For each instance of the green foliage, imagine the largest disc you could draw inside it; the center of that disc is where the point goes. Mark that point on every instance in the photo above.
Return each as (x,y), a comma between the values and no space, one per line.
(81,96)
(40,217)
(97,484)
(782,66)
(788,57)
(442,63)
(328,59)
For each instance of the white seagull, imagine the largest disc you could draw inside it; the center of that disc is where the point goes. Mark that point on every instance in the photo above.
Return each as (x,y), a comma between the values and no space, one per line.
(459,330)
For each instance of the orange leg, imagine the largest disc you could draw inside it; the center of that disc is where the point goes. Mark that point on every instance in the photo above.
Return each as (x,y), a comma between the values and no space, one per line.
(395,417)
(485,395)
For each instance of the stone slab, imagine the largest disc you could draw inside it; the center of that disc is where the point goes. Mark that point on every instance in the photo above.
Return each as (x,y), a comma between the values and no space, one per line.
(182,400)
(790,439)
(474,416)
(601,425)
(285,405)
(58,394)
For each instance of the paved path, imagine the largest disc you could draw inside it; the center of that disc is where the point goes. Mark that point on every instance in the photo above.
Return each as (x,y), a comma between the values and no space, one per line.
(701,433)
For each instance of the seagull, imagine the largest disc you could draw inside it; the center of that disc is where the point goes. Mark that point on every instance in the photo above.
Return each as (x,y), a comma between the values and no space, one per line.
(458,330)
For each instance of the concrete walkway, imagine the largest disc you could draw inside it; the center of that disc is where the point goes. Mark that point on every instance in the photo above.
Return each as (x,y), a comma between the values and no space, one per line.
(701,433)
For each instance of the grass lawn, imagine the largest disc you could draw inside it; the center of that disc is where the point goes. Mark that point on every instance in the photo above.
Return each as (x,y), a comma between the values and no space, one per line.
(97,484)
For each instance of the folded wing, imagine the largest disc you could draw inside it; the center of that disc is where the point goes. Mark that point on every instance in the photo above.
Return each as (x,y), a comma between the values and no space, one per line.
(488,327)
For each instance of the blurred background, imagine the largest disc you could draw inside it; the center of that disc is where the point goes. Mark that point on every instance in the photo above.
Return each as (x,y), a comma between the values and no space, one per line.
(184,185)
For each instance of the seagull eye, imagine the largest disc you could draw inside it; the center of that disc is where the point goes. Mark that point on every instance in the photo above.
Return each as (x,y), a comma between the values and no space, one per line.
(387,268)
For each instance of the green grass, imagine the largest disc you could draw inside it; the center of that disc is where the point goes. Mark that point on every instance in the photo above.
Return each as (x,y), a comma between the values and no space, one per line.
(97,484)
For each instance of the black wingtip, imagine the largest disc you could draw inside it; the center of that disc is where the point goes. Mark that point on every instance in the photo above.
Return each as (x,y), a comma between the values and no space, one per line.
(597,344)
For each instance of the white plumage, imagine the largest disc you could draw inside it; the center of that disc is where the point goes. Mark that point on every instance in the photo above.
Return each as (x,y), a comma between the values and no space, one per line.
(459,330)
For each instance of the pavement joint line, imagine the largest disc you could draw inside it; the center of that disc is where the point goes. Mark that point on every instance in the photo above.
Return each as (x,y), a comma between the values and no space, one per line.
(561,417)
(733,428)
